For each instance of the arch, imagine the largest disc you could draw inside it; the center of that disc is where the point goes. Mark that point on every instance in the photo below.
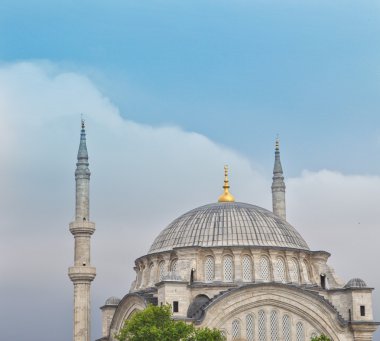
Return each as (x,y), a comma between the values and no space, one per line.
(286,328)
(209,269)
(228,268)
(264,269)
(300,333)
(194,308)
(235,329)
(247,268)
(294,271)
(280,270)
(250,327)
(152,276)
(130,304)
(161,270)
(313,309)
(313,335)
(262,325)
(173,266)
(305,270)
(274,325)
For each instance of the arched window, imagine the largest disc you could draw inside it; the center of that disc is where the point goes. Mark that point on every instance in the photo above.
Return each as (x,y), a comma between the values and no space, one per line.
(247,269)
(228,269)
(313,335)
(300,335)
(235,330)
(286,328)
(264,269)
(162,271)
(262,326)
(250,331)
(209,269)
(293,271)
(280,270)
(173,266)
(273,326)
(151,274)
(305,270)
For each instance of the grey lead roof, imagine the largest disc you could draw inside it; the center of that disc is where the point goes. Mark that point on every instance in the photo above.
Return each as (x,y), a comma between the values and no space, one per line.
(228,224)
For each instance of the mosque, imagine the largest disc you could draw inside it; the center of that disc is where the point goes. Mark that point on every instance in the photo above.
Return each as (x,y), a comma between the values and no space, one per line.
(228,265)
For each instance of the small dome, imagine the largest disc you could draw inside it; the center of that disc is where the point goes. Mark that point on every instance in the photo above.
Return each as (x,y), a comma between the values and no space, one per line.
(228,224)
(355,283)
(112,301)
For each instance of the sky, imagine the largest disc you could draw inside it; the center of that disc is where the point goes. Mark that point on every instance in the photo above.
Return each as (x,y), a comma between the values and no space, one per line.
(171,91)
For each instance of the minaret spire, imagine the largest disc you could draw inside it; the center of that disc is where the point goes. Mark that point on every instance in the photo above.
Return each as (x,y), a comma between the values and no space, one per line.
(82,273)
(278,185)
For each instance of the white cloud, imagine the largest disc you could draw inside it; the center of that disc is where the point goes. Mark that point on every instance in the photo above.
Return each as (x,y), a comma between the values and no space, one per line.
(142,178)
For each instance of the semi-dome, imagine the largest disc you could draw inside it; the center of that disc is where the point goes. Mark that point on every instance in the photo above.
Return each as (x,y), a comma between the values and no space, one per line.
(228,224)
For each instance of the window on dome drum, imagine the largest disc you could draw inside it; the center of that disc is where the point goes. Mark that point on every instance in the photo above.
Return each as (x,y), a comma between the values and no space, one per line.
(362,310)
(228,269)
(293,271)
(262,326)
(305,271)
(264,269)
(280,270)
(151,274)
(286,328)
(173,266)
(250,327)
(175,306)
(209,269)
(235,330)
(247,269)
(273,326)
(300,335)
(162,271)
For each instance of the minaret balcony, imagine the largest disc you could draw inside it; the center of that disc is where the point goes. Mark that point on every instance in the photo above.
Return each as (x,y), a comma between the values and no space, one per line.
(82,227)
(82,273)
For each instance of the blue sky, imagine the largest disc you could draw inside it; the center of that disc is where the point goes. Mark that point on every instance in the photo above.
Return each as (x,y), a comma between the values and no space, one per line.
(238,72)
(198,84)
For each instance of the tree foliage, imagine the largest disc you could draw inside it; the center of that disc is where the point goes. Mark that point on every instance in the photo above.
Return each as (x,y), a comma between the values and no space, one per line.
(321,337)
(156,324)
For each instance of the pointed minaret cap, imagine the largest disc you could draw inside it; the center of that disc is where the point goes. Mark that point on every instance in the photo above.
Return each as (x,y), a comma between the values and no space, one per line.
(277,169)
(82,151)
(226,196)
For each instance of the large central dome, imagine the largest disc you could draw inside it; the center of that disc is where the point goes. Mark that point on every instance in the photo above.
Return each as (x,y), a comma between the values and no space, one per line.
(228,224)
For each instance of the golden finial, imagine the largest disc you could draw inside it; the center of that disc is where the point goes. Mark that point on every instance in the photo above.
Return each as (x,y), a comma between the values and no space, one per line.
(226,196)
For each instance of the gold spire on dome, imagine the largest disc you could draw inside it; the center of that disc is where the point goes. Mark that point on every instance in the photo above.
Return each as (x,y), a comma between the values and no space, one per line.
(226,196)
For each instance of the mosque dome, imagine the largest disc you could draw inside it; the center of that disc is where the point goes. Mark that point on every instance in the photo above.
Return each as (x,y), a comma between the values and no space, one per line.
(356,283)
(112,301)
(228,224)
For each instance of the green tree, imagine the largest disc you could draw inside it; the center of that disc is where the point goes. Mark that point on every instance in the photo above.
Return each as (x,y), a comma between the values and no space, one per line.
(321,337)
(156,324)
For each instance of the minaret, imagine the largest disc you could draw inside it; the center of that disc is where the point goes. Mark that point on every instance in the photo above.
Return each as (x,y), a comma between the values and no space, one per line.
(82,273)
(278,185)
